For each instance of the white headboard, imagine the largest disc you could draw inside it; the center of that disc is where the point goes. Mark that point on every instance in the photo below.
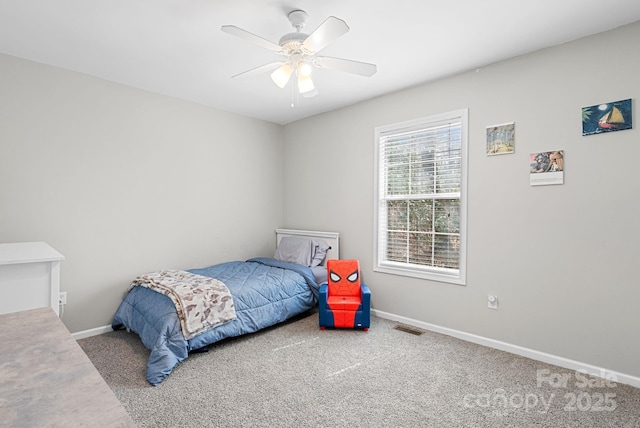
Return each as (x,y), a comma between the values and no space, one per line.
(331,238)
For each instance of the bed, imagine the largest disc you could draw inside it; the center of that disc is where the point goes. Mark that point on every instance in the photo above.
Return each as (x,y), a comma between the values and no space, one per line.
(264,291)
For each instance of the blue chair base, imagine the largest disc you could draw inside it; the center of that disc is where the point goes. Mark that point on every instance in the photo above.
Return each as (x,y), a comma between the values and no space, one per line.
(362,314)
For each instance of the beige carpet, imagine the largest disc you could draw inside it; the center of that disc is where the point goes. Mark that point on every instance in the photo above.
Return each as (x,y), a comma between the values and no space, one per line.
(295,375)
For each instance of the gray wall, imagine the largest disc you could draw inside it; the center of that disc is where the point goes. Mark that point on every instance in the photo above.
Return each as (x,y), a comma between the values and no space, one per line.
(123,182)
(560,258)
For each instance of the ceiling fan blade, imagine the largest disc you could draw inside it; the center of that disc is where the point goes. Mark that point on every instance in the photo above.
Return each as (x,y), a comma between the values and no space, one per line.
(259,70)
(329,31)
(244,34)
(347,65)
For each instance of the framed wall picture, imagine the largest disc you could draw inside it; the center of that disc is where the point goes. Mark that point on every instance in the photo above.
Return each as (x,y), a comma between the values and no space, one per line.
(608,117)
(546,168)
(501,139)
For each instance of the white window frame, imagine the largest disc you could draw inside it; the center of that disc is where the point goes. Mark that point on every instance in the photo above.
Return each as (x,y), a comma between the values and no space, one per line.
(454,276)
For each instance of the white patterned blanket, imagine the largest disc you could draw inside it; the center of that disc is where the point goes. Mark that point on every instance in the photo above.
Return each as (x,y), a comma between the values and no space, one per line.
(201,302)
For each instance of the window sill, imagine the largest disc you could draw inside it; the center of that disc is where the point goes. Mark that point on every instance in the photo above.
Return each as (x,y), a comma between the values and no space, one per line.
(421,274)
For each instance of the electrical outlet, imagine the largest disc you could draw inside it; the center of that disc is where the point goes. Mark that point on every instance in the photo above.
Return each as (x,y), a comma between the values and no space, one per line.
(62,298)
(492,301)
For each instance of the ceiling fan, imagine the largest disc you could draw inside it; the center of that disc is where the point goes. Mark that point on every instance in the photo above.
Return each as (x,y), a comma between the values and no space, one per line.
(300,52)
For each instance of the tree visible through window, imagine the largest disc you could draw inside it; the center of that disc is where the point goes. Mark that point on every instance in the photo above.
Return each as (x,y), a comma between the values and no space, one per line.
(420,194)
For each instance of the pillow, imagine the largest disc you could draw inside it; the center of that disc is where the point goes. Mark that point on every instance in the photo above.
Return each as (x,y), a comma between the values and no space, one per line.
(320,273)
(320,254)
(296,249)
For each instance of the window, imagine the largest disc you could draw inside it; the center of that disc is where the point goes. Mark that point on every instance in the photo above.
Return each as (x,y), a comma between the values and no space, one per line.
(420,195)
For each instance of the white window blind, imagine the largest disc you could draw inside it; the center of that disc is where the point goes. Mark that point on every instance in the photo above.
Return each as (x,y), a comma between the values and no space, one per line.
(420,182)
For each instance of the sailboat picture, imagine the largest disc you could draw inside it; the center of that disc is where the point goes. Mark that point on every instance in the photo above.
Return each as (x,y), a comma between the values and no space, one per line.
(613,116)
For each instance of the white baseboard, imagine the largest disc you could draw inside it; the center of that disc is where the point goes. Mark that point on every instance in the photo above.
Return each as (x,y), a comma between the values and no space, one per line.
(515,349)
(91,332)
(480,340)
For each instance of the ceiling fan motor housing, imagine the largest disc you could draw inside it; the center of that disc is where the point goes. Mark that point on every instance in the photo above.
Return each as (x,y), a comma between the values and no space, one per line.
(291,43)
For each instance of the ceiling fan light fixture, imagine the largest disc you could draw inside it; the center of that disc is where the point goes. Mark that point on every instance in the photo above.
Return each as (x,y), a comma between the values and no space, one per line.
(310,94)
(305,84)
(304,69)
(282,75)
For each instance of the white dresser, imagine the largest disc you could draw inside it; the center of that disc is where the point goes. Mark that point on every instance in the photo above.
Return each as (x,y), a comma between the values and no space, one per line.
(29,276)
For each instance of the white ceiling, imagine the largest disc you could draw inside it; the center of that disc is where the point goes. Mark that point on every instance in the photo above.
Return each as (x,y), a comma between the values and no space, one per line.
(176,48)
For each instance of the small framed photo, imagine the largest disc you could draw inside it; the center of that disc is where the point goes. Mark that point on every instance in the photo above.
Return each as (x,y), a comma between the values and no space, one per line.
(546,168)
(501,139)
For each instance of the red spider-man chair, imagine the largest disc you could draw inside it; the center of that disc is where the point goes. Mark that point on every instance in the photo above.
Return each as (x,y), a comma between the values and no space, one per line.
(344,300)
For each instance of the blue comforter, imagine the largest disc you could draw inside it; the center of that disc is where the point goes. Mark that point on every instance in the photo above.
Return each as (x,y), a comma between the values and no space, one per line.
(265,292)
